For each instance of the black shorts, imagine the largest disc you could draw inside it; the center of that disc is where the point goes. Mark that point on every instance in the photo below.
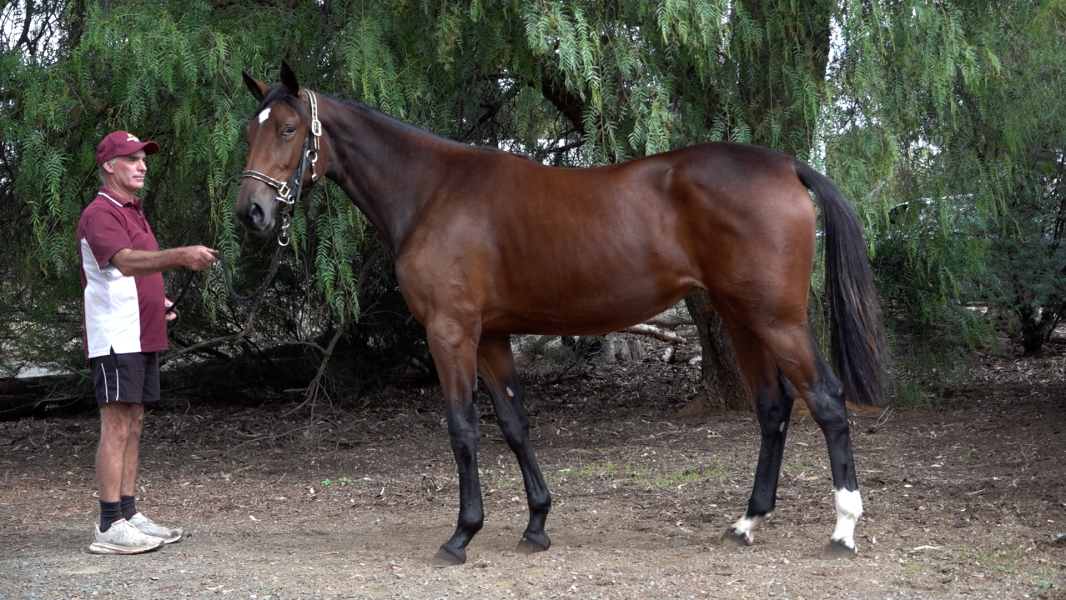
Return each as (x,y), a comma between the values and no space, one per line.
(130,377)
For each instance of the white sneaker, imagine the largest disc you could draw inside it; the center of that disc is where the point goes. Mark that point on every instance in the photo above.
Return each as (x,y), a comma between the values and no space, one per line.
(149,527)
(123,538)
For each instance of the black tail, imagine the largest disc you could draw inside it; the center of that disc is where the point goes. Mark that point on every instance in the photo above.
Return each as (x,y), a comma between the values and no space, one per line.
(858,337)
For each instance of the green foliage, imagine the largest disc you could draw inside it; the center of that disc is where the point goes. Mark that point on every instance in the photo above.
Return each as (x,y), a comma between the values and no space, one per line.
(950,142)
(1015,143)
(168,72)
(950,110)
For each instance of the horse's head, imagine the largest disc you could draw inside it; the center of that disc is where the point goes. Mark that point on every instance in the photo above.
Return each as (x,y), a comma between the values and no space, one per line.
(282,149)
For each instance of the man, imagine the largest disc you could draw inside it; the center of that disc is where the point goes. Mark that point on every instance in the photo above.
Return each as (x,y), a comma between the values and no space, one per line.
(125,328)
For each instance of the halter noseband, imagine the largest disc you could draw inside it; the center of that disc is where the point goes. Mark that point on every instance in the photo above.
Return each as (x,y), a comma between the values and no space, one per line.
(289,191)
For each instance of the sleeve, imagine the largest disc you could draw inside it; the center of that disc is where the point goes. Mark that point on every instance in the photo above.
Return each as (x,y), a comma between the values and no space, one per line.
(106,235)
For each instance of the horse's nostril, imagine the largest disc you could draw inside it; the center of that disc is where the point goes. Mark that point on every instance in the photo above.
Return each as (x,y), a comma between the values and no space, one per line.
(255,213)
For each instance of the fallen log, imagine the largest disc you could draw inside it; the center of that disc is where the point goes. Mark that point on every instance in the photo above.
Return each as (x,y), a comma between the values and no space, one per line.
(22,397)
(655,332)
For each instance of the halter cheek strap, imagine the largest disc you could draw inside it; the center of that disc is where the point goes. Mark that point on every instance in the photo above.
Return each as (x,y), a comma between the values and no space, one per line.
(289,192)
(316,133)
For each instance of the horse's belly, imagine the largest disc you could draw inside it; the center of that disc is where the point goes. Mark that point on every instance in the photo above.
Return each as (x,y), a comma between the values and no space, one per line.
(584,310)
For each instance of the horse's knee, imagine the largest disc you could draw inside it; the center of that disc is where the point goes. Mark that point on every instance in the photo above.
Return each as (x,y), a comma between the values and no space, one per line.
(773,420)
(761,504)
(471,522)
(463,430)
(540,502)
(515,431)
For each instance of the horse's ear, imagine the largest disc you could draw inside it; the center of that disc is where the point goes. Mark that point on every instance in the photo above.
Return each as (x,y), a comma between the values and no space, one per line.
(288,79)
(256,88)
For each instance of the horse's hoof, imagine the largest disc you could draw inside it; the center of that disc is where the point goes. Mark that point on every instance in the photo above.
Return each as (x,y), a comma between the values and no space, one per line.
(448,558)
(735,538)
(837,549)
(533,543)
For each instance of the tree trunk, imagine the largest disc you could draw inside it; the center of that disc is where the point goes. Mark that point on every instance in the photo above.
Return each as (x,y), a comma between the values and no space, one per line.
(722,384)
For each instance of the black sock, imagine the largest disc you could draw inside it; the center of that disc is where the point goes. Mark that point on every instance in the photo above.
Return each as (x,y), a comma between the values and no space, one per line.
(109,513)
(129,506)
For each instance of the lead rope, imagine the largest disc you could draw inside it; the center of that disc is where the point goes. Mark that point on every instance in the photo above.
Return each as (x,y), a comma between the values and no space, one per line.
(262,287)
(233,295)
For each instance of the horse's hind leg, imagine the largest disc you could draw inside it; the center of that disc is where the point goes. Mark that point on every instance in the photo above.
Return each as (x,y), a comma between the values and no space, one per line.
(773,400)
(496,365)
(826,403)
(803,365)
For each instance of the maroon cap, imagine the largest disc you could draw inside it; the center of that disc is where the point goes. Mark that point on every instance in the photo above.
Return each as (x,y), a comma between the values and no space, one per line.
(121,143)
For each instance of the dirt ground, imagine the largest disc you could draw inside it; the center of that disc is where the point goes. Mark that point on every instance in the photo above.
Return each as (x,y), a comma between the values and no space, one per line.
(352,499)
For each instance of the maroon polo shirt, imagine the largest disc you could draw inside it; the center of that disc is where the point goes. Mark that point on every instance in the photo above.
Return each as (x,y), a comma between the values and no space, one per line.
(124,314)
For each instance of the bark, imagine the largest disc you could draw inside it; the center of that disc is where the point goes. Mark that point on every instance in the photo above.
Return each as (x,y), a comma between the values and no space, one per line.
(722,384)
(566,102)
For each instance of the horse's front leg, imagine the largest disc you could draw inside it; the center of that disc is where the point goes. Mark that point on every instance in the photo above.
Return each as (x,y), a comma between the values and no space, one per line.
(454,354)
(496,365)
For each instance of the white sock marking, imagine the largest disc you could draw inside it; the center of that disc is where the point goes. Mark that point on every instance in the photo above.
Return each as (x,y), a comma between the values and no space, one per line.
(746,525)
(849,509)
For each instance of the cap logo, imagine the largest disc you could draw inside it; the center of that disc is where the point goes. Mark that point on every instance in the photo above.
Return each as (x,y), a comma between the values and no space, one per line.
(131,138)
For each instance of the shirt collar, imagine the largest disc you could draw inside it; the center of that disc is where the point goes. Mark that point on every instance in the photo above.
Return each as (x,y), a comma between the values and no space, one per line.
(116,199)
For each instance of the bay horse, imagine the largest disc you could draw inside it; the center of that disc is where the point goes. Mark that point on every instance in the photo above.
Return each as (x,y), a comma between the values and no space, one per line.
(489,244)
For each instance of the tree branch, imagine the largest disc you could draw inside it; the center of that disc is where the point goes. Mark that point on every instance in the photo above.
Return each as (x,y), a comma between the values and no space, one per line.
(22,292)
(655,332)
(568,103)
(311,393)
(249,326)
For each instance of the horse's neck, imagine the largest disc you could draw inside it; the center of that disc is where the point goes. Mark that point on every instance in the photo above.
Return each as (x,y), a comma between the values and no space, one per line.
(383,166)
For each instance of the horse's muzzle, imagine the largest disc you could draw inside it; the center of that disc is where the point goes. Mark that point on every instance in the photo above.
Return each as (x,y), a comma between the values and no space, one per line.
(254,216)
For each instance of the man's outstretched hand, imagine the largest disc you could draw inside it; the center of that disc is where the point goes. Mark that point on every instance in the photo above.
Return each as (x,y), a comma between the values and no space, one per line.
(200,257)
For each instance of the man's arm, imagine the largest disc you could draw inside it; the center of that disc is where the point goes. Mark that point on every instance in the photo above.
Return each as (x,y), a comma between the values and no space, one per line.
(132,263)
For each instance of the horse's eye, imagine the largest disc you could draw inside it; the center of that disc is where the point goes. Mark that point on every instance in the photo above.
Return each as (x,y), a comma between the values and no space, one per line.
(288,130)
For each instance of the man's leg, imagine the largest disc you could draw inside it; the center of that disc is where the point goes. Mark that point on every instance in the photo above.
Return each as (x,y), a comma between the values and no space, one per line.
(118,454)
(131,455)
(128,488)
(118,382)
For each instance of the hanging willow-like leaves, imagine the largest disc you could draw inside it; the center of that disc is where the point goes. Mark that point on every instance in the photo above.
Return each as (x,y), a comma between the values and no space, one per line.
(875,92)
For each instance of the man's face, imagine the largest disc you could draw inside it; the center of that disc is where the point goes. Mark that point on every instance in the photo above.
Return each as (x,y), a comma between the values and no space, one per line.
(127,172)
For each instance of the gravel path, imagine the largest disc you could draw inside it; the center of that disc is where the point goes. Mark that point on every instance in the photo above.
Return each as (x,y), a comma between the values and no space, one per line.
(961,503)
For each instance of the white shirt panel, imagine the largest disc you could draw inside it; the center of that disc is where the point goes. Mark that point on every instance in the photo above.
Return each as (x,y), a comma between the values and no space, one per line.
(112,308)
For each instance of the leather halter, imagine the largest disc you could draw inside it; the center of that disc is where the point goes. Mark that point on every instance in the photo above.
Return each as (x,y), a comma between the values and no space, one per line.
(288,192)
